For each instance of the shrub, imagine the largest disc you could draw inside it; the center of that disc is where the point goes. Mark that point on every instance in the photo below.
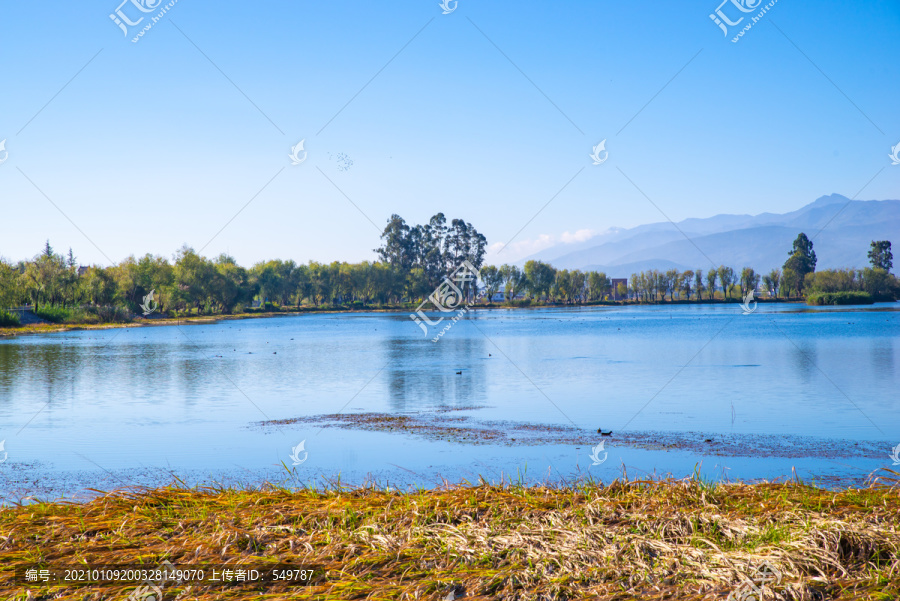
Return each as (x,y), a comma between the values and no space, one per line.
(525,302)
(840,298)
(268,307)
(54,314)
(8,319)
(88,314)
(103,314)
(886,297)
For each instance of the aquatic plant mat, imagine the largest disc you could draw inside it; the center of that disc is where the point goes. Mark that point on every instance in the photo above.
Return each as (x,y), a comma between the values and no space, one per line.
(441,425)
(668,539)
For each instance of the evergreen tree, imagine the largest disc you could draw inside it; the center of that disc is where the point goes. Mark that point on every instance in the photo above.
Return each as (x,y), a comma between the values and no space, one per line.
(801,260)
(880,255)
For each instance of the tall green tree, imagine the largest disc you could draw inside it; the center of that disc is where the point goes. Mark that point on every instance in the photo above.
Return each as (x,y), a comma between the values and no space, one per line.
(749,280)
(10,285)
(598,285)
(435,249)
(540,277)
(232,286)
(579,285)
(99,286)
(879,283)
(880,255)
(193,281)
(687,279)
(45,278)
(711,276)
(790,282)
(801,260)
(513,281)
(492,279)
(670,282)
(396,247)
(727,278)
(638,286)
(563,287)
(772,281)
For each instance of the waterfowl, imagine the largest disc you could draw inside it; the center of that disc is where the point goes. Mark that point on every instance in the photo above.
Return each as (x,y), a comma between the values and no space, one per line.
(603,432)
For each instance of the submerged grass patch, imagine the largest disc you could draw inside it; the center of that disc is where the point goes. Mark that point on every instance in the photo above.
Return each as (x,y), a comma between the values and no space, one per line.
(647,539)
(464,429)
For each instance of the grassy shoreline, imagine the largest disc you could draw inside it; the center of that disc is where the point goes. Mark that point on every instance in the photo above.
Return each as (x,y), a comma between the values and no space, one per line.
(46,328)
(668,539)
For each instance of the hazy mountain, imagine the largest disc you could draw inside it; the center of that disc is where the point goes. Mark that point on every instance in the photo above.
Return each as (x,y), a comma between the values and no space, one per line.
(840,229)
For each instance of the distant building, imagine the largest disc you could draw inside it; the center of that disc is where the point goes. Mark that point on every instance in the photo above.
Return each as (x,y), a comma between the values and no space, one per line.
(615,287)
(82,269)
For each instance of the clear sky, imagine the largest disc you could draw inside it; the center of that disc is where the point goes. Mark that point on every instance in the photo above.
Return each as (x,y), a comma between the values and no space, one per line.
(486,113)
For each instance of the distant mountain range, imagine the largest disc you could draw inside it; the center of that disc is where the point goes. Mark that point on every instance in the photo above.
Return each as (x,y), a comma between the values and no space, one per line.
(840,229)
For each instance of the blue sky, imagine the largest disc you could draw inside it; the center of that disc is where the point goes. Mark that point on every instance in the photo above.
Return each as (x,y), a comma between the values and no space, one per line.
(486,113)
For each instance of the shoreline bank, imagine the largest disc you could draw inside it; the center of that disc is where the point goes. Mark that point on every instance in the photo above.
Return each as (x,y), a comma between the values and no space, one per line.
(47,328)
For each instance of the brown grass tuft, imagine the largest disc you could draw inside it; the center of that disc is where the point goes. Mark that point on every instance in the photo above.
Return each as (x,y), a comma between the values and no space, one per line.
(671,539)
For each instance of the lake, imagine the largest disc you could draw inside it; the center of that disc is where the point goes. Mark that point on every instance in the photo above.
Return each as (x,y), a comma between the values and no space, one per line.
(679,386)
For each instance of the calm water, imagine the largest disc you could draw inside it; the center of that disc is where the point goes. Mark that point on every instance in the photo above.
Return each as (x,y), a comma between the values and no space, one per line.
(133,406)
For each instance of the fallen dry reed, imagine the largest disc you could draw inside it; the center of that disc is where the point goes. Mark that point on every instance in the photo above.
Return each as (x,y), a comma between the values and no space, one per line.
(667,539)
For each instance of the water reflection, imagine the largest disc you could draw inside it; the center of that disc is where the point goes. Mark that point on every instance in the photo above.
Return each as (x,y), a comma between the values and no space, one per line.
(883,358)
(35,373)
(423,374)
(805,360)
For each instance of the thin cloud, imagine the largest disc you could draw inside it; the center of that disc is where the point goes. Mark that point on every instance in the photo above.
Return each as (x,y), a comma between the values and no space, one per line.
(525,248)
(578,236)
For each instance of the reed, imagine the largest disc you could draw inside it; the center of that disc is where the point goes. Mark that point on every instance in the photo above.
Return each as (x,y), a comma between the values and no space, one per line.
(647,539)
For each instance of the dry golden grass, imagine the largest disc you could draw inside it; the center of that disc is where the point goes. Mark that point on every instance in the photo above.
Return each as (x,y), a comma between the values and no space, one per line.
(683,539)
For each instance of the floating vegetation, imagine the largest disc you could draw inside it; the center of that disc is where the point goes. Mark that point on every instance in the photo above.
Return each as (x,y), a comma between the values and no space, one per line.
(438,425)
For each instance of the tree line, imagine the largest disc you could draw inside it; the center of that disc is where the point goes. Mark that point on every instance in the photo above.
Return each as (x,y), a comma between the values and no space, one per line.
(796,278)
(413,261)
